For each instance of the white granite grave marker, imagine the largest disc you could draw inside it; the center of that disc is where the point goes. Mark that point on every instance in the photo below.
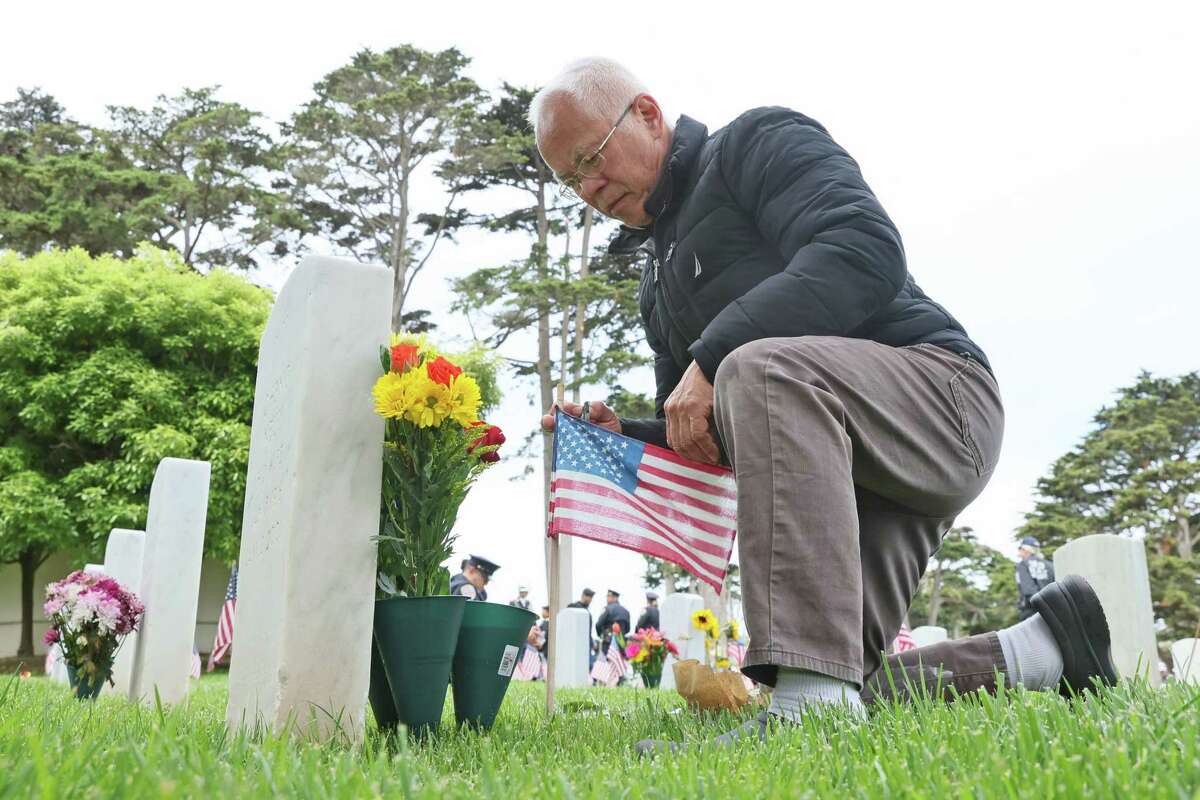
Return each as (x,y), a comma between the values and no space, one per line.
(1185,655)
(306,575)
(1115,566)
(123,561)
(677,610)
(572,640)
(170,583)
(924,635)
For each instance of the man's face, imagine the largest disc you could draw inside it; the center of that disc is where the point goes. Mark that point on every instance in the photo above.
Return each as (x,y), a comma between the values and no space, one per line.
(586,599)
(523,594)
(545,613)
(612,598)
(1024,552)
(476,576)
(633,156)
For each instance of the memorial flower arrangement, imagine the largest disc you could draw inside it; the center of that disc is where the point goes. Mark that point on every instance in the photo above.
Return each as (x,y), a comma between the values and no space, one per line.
(646,650)
(435,447)
(90,615)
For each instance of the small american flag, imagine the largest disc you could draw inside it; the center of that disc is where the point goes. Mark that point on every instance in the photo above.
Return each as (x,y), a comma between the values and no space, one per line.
(736,652)
(623,492)
(904,640)
(529,668)
(224,637)
(612,668)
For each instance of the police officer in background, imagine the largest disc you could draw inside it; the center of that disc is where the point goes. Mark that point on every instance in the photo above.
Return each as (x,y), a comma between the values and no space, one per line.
(616,613)
(649,617)
(471,582)
(522,599)
(1033,573)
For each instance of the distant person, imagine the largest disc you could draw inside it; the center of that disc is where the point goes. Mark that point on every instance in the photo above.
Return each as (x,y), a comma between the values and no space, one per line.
(471,583)
(1034,573)
(522,598)
(544,624)
(614,614)
(585,602)
(649,617)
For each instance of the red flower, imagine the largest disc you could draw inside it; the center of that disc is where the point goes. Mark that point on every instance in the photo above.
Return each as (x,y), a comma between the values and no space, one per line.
(52,636)
(492,437)
(442,371)
(672,648)
(404,356)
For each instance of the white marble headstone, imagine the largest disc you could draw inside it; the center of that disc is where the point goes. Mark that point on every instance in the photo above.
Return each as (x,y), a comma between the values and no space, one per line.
(676,619)
(170,584)
(123,561)
(94,569)
(573,641)
(306,574)
(1115,566)
(1185,655)
(929,634)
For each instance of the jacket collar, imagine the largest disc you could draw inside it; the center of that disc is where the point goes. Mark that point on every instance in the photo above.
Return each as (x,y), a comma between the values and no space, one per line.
(686,142)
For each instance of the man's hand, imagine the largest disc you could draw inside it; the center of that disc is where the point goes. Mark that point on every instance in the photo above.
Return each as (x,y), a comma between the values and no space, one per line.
(689,418)
(598,414)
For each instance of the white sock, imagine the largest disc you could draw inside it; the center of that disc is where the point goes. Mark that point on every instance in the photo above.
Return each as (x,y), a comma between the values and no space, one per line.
(797,688)
(1031,655)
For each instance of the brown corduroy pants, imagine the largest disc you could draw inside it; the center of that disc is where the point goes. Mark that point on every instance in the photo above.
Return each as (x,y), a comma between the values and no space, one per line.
(852,459)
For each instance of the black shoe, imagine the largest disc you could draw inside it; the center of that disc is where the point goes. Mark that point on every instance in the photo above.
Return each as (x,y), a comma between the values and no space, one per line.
(1073,611)
(755,728)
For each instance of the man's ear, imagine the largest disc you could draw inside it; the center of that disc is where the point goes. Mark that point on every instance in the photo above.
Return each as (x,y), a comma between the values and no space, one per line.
(649,113)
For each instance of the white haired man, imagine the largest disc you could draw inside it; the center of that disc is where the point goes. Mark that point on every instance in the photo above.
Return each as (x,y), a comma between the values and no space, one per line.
(791,341)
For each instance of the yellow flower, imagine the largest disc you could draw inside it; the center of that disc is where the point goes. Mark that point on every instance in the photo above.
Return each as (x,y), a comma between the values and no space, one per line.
(390,396)
(722,662)
(703,620)
(641,656)
(732,630)
(464,398)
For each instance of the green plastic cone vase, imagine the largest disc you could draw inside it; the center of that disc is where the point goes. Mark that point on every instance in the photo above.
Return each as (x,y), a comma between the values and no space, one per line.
(379,692)
(651,680)
(82,687)
(490,642)
(416,637)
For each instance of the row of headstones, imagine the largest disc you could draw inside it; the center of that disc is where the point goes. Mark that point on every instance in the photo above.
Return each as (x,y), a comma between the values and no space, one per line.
(1115,566)
(162,566)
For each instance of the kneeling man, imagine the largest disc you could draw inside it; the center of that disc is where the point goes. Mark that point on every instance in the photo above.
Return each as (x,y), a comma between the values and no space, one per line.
(791,341)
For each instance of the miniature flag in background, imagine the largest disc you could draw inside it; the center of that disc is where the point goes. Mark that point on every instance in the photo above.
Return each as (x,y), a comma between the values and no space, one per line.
(529,668)
(224,637)
(904,640)
(614,489)
(611,669)
(736,652)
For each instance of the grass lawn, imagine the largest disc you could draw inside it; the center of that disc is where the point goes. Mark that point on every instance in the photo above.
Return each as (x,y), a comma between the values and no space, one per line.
(1133,742)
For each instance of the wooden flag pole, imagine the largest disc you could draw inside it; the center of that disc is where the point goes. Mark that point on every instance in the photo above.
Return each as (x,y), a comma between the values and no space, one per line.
(554,588)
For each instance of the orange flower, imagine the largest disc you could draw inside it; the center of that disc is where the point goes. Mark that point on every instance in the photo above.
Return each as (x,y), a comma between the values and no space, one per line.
(442,371)
(404,356)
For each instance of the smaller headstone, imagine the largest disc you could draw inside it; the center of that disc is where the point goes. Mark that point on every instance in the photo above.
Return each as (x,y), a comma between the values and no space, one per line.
(676,619)
(1185,655)
(929,634)
(171,581)
(1115,566)
(123,561)
(572,639)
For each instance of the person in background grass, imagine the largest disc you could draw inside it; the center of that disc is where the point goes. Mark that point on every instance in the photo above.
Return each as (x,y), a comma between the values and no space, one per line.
(472,582)
(649,617)
(791,342)
(1034,573)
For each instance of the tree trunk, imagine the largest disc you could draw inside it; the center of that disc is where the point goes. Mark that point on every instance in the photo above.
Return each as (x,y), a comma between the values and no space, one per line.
(29,563)
(580,309)
(400,244)
(1185,533)
(935,596)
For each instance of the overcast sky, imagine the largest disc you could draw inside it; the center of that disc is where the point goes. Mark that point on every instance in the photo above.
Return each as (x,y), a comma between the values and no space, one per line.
(1042,162)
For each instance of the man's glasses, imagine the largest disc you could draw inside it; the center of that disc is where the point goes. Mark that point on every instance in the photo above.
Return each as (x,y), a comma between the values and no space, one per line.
(590,166)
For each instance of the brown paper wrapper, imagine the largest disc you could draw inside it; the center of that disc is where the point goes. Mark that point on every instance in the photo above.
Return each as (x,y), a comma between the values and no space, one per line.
(708,690)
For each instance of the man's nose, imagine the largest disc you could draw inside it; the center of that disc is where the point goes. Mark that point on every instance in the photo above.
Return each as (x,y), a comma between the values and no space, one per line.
(590,187)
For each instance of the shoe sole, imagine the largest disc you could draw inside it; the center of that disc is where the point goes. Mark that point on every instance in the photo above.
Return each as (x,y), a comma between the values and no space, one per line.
(1083,611)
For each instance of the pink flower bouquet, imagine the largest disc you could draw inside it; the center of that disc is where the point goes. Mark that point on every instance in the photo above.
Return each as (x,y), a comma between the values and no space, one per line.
(90,614)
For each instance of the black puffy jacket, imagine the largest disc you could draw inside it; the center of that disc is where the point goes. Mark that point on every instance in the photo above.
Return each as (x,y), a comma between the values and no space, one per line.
(767,228)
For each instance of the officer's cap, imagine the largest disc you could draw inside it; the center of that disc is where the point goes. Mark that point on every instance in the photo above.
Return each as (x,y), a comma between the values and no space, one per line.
(651,595)
(1030,541)
(483,565)
(614,592)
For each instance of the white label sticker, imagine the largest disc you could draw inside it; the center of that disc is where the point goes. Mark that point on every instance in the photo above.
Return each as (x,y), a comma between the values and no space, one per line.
(509,661)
